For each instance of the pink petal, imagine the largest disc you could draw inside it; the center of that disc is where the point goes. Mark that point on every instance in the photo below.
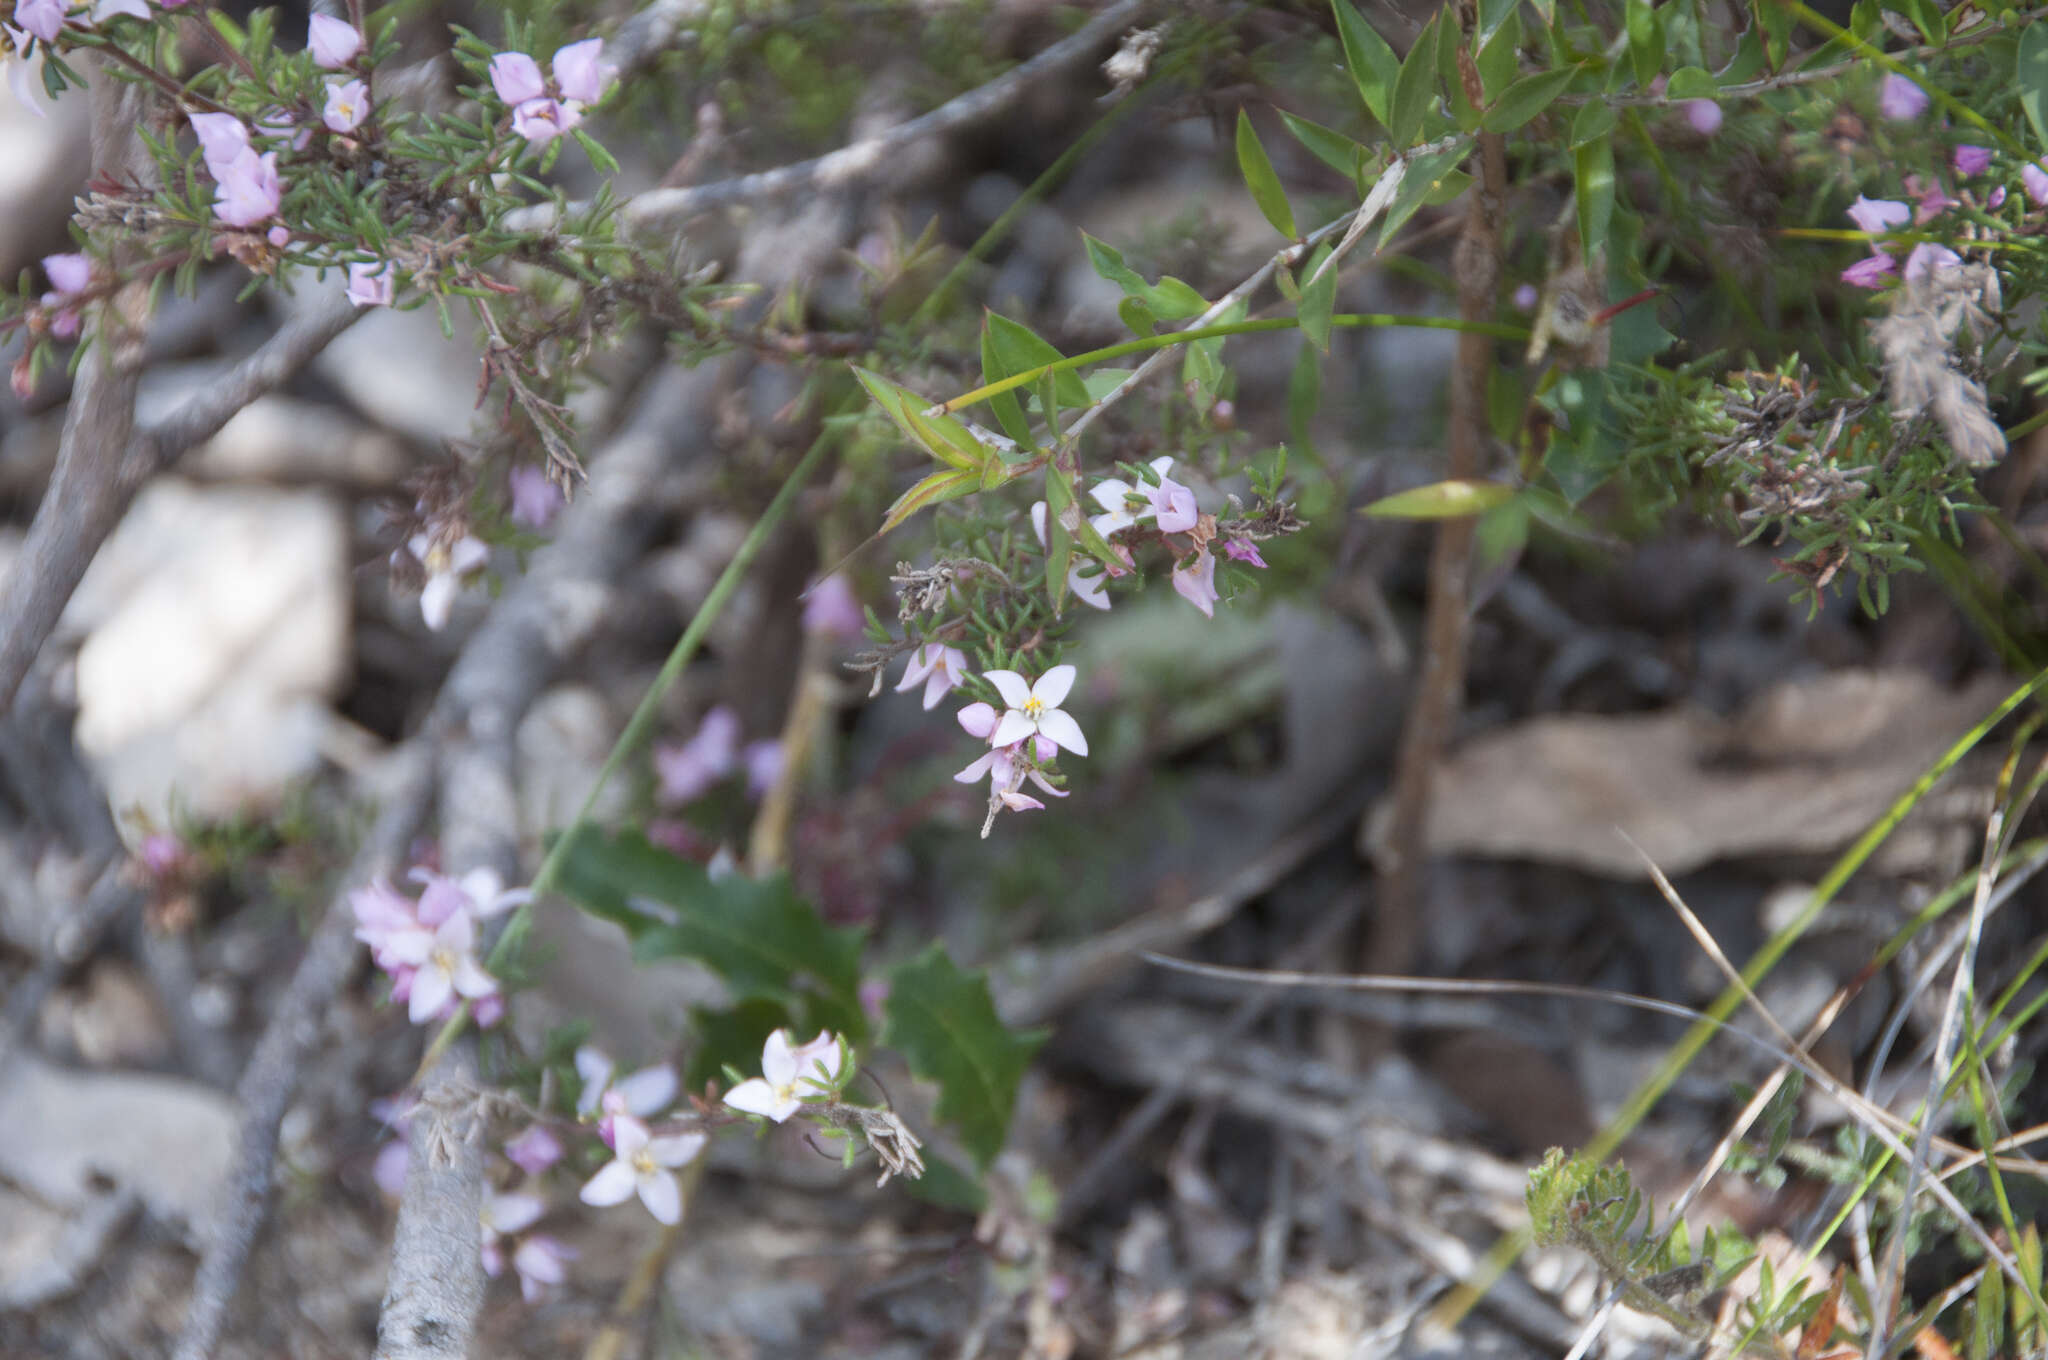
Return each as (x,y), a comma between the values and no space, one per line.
(979,719)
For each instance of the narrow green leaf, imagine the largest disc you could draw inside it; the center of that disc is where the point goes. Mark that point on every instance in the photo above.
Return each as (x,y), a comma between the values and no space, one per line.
(942,1021)
(1593,121)
(1499,59)
(1374,67)
(1414,89)
(1645,40)
(1690,82)
(1494,13)
(600,159)
(1059,540)
(759,937)
(1333,149)
(2030,77)
(1304,396)
(933,434)
(1425,174)
(1593,181)
(1928,18)
(948,485)
(1319,300)
(1526,98)
(1019,350)
(1260,179)
(1441,500)
(1776,19)
(1009,411)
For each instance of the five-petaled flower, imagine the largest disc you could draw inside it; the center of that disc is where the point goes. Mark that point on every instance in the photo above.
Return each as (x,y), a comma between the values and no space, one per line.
(1035,709)
(348,104)
(789,1072)
(644,1165)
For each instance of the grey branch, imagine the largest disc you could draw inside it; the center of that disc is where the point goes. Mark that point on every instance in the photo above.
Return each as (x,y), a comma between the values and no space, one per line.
(437,1279)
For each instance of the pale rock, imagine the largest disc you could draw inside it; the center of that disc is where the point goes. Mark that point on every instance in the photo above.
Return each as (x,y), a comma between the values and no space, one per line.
(42,166)
(397,367)
(215,625)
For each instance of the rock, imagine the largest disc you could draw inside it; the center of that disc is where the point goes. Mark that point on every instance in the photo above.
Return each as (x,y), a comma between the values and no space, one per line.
(65,1135)
(42,165)
(215,624)
(397,368)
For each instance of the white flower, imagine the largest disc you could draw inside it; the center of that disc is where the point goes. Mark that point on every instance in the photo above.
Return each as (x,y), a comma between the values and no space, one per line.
(502,1216)
(446,963)
(939,667)
(641,1093)
(643,1166)
(1035,709)
(447,565)
(788,1073)
(1085,578)
(1113,494)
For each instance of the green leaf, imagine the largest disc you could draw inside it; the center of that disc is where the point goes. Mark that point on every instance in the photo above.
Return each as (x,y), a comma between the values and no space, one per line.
(1441,500)
(1415,88)
(1583,449)
(1645,40)
(1499,59)
(1137,316)
(600,159)
(1690,82)
(1425,174)
(1260,179)
(1059,540)
(2030,76)
(1019,350)
(942,1021)
(1593,121)
(943,437)
(948,485)
(1526,98)
(1776,18)
(1201,372)
(1593,181)
(1928,18)
(1494,13)
(1333,149)
(1009,411)
(1170,299)
(1304,396)
(1374,67)
(1319,300)
(756,934)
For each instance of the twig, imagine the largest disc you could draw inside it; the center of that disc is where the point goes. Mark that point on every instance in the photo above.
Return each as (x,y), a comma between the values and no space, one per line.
(855,162)
(272,1075)
(95,479)
(436,1283)
(1439,689)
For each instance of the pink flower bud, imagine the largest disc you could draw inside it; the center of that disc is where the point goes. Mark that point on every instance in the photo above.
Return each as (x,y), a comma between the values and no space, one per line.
(334,43)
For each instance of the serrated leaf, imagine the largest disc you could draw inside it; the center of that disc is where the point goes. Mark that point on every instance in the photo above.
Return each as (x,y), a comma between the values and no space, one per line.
(756,934)
(1414,89)
(942,437)
(1018,350)
(948,485)
(1260,179)
(1454,499)
(1373,65)
(1332,148)
(942,1020)
(1645,40)
(2030,77)
(1526,98)
(1776,19)
(1690,82)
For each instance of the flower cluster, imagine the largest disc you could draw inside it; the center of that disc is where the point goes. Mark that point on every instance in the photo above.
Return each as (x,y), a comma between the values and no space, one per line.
(1032,730)
(540,114)
(428,946)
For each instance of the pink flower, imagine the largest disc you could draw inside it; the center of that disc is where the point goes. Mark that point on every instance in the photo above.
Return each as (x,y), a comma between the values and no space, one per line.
(541,1263)
(642,1093)
(830,608)
(762,761)
(1872,271)
(348,104)
(1704,115)
(478,892)
(789,1072)
(249,189)
(445,964)
(1196,582)
(536,500)
(873,994)
(388,1170)
(334,43)
(70,274)
(516,77)
(1243,550)
(1526,297)
(1035,709)
(162,853)
(535,1150)
(2034,179)
(222,138)
(581,71)
(1876,215)
(1970,160)
(1173,506)
(1996,198)
(382,914)
(1900,100)
(279,236)
(43,18)
(540,121)
(1933,201)
(370,283)
(501,1216)
(1114,495)
(1928,257)
(642,1166)
(688,771)
(938,668)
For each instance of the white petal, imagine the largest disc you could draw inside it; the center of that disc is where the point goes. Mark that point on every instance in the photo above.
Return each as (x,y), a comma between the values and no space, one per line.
(755,1096)
(1064,730)
(1089,590)
(976,770)
(513,1213)
(1111,522)
(1110,494)
(1163,465)
(778,1059)
(663,1198)
(1054,686)
(1038,521)
(1012,729)
(1016,693)
(678,1149)
(596,1070)
(649,1090)
(613,1184)
(408,946)
(437,599)
(629,1136)
(471,980)
(431,989)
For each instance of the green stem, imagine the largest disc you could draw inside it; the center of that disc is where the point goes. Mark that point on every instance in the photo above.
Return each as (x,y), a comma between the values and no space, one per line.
(1499,330)
(642,721)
